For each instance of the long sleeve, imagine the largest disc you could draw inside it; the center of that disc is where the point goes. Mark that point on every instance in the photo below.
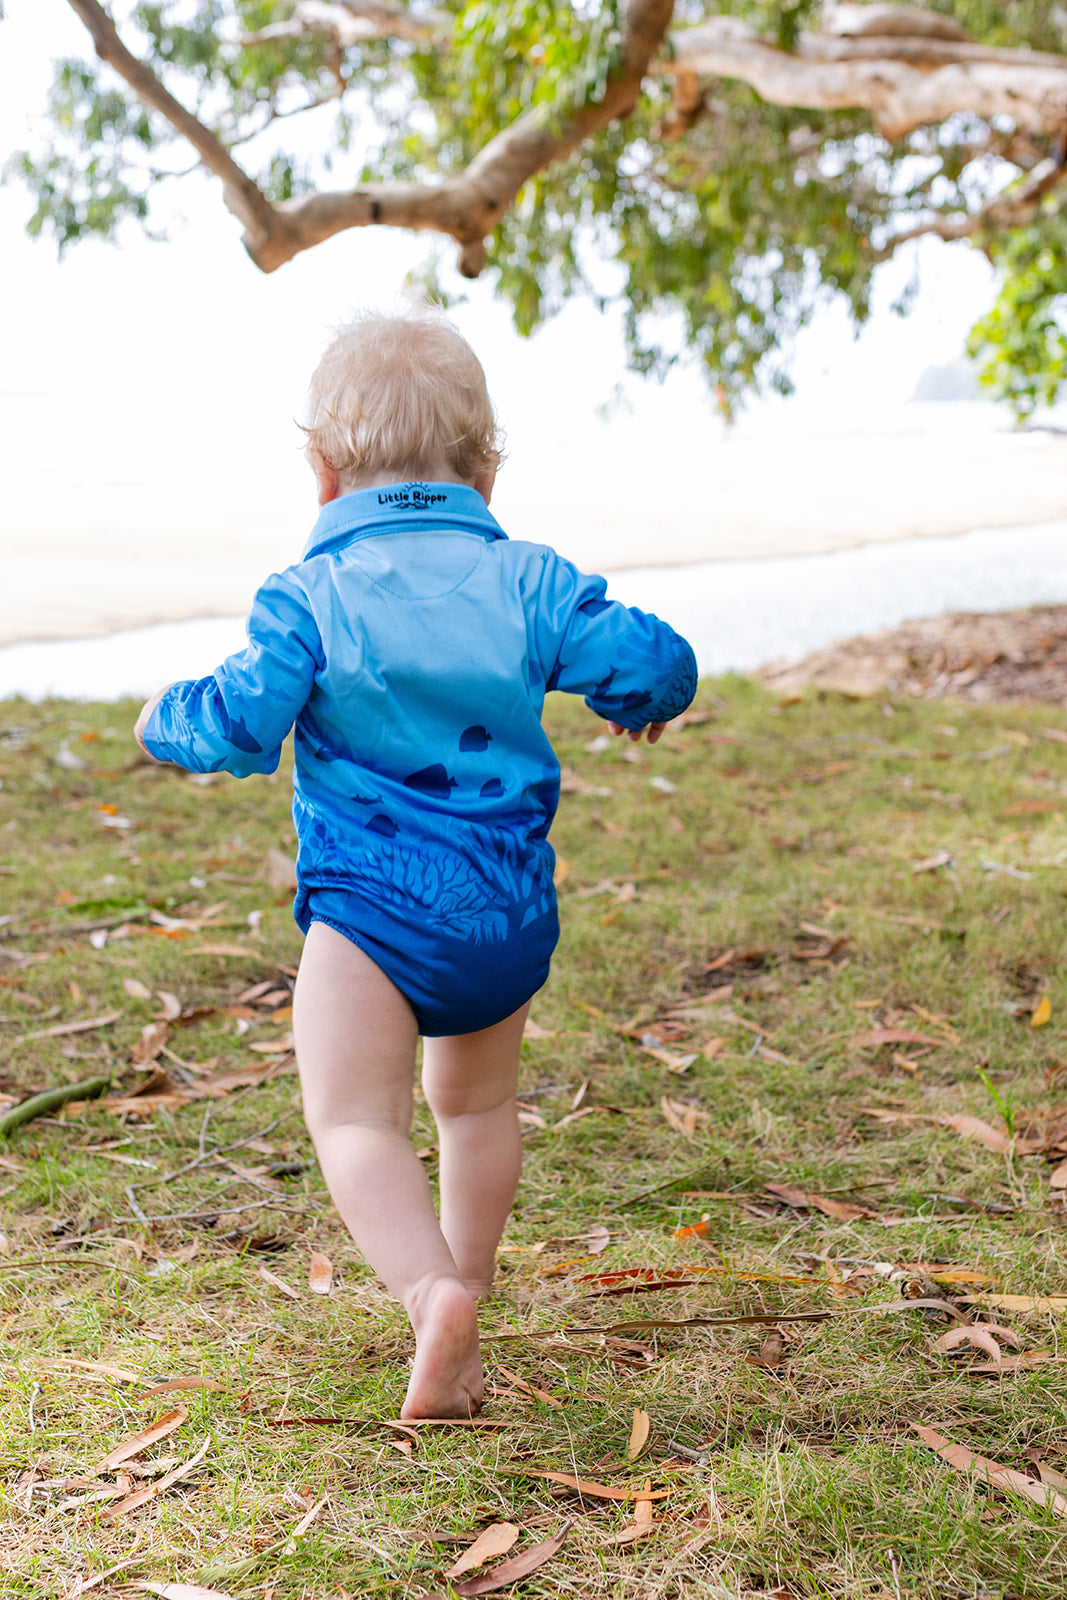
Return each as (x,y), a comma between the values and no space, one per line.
(632,668)
(236,719)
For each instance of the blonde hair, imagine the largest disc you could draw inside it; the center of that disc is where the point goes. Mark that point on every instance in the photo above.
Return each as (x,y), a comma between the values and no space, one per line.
(403,395)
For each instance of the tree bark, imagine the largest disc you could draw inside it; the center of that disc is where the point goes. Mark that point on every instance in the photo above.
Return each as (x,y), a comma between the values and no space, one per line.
(904,82)
(466,207)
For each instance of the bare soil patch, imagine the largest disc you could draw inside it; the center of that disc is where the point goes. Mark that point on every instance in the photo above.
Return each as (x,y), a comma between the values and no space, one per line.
(1004,656)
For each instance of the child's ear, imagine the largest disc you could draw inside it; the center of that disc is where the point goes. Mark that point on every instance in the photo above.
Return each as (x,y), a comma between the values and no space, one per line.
(484,482)
(326,478)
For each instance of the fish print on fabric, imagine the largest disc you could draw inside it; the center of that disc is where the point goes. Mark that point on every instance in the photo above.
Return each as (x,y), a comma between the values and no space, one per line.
(433,781)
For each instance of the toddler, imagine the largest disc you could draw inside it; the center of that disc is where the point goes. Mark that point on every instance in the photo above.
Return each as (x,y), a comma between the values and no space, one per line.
(412,647)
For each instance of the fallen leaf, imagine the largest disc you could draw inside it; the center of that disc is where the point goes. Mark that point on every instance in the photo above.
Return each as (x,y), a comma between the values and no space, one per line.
(1020,1363)
(595,1491)
(1048,1474)
(710,1049)
(675,1063)
(720,962)
(955,1274)
(83,1585)
(997,1476)
(980,1337)
(60,1028)
(880,1036)
(519,1566)
(174,1385)
(643,1522)
(137,1442)
(1026,808)
(320,1273)
(772,1350)
(153,1489)
(303,1525)
(1056,1304)
(224,1083)
(575,1116)
(597,1239)
(533,1030)
(1058,1176)
(496,1540)
(932,863)
(1043,1012)
(153,1037)
(673,1120)
(561,871)
(96,1368)
(842,1210)
(136,989)
(279,1283)
(695,1230)
(638,1434)
(528,1388)
(975,1128)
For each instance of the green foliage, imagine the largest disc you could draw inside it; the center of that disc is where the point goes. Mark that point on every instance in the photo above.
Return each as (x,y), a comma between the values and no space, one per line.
(718,245)
(1022,342)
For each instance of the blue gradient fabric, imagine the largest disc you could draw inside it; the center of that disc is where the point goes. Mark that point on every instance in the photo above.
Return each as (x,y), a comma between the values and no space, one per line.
(412,648)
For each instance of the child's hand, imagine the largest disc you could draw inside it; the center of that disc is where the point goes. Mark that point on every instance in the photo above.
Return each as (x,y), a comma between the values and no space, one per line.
(653,730)
(142,721)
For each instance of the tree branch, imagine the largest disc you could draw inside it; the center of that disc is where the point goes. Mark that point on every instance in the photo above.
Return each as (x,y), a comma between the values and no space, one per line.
(905,82)
(352,22)
(466,207)
(244,197)
(469,206)
(1011,210)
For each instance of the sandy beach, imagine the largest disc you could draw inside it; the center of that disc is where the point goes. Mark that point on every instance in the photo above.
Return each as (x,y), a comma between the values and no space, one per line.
(100,553)
(738,615)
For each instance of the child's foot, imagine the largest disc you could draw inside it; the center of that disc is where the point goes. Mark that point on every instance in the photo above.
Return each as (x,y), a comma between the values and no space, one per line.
(446,1379)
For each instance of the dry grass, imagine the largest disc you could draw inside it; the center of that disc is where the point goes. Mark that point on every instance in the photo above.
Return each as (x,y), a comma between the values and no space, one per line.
(816,813)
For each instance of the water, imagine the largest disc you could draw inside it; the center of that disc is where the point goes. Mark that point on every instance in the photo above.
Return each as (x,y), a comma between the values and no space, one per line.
(738,615)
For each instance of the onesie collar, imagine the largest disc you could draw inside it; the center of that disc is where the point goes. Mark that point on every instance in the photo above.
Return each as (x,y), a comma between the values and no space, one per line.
(392,506)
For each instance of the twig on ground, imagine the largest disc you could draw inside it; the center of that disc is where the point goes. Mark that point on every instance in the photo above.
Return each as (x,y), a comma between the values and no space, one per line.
(39,1105)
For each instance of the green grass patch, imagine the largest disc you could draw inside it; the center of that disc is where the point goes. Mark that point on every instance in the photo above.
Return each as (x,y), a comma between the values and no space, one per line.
(741,906)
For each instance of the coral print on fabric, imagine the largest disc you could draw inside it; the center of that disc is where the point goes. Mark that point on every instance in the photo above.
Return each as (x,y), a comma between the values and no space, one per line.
(412,648)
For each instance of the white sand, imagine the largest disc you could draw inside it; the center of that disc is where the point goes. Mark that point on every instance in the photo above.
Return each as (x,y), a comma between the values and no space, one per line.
(94,554)
(738,614)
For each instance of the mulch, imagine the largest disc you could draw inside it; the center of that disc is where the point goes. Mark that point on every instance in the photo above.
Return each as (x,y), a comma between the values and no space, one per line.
(983,658)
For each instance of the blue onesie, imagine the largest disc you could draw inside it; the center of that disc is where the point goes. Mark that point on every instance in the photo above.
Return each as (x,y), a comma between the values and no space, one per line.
(413,647)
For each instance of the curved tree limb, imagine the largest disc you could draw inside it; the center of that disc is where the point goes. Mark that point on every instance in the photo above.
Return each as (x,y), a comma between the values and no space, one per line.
(905,82)
(1012,210)
(244,197)
(351,22)
(466,207)
(868,60)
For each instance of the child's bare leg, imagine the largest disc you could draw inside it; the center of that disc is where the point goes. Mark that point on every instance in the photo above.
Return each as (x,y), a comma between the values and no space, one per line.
(470,1082)
(355,1040)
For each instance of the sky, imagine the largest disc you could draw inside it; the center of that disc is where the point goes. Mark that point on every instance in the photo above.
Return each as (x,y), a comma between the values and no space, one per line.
(148,394)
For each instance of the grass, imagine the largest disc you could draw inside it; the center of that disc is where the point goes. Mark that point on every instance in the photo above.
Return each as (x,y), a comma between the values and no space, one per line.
(778,820)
